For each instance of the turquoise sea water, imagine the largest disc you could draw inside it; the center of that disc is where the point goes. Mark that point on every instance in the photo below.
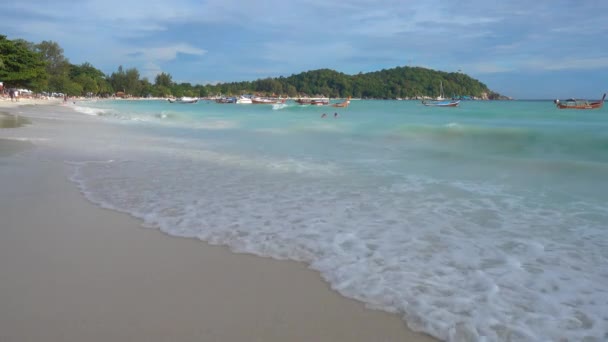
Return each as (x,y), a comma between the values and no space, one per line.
(483,222)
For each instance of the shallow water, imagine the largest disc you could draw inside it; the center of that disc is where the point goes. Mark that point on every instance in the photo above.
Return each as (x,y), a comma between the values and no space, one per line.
(482,222)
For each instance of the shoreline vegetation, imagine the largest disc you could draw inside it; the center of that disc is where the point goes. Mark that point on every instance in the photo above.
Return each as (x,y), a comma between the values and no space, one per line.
(44,70)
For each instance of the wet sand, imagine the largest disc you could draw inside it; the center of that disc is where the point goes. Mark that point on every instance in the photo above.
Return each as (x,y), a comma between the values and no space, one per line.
(12,121)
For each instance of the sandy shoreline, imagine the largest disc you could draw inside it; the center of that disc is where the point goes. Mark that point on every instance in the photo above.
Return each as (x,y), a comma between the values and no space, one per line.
(72,271)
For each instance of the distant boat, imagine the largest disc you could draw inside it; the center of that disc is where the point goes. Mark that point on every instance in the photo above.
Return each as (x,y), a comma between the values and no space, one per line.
(184,99)
(579,104)
(225,100)
(441,101)
(266,100)
(343,104)
(436,103)
(313,101)
(244,100)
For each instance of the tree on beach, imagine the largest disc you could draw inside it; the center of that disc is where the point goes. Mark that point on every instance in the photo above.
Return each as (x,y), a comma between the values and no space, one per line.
(57,66)
(126,81)
(52,53)
(133,84)
(118,80)
(162,85)
(163,80)
(146,88)
(92,80)
(21,67)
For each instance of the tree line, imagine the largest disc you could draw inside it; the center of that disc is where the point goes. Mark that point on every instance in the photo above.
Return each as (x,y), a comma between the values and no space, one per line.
(42,67)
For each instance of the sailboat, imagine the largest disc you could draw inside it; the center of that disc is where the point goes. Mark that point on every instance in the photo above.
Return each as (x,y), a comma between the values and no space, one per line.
(441,101)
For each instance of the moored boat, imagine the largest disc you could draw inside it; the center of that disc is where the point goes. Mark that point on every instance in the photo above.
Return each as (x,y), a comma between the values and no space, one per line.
(184,99)
(343,104)
(266,100)
(441,101)
(579,104)
(244,100)
(313,101)
(446,103)
(225,100)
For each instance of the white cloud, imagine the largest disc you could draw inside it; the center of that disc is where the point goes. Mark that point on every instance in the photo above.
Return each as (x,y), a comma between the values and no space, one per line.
(150,70)
(164,53)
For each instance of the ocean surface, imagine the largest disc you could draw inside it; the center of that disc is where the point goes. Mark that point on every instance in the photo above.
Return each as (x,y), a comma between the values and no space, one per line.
(486,222)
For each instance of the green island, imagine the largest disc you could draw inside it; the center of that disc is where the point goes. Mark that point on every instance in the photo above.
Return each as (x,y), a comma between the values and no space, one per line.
(43,68)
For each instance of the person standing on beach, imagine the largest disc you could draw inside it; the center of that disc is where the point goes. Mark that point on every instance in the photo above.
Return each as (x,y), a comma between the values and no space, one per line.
(11,93)
(16,95)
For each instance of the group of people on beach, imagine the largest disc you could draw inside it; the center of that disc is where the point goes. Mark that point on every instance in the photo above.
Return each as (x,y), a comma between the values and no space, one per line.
(12,93)
(325,115)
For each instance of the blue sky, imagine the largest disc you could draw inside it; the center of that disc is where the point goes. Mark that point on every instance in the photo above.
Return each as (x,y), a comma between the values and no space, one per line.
(524,49)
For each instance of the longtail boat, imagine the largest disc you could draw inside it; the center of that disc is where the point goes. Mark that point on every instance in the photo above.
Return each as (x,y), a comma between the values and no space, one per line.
(342,104)
(314,101)
(579,104)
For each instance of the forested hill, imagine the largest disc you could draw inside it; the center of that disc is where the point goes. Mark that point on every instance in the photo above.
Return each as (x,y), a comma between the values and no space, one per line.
(400,82)
(43,68)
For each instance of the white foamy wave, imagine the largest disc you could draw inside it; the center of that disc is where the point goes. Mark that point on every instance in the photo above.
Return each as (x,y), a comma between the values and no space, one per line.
(278,106)
(461,249)
(267,164)
(461,261)
(164,115)
(90,110)
(167,117)
(109,114)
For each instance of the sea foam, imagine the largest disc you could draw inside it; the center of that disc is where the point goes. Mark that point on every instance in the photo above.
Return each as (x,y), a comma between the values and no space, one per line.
(463,244)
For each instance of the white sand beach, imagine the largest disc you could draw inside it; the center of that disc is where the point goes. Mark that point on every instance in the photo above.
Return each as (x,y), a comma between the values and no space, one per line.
(72,271)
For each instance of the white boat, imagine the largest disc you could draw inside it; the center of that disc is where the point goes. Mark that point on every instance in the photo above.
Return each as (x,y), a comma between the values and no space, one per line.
(184,99)
(267,100)
(244,100)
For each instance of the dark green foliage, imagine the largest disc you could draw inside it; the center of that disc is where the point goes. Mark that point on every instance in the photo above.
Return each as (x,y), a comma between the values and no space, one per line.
(392,83)
(20,66)
(42,67)
(164,80)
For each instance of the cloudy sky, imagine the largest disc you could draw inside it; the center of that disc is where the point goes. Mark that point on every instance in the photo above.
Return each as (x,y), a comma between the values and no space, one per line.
(524,49)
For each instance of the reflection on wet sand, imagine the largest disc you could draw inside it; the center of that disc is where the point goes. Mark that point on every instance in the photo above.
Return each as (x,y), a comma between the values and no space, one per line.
(12,121)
